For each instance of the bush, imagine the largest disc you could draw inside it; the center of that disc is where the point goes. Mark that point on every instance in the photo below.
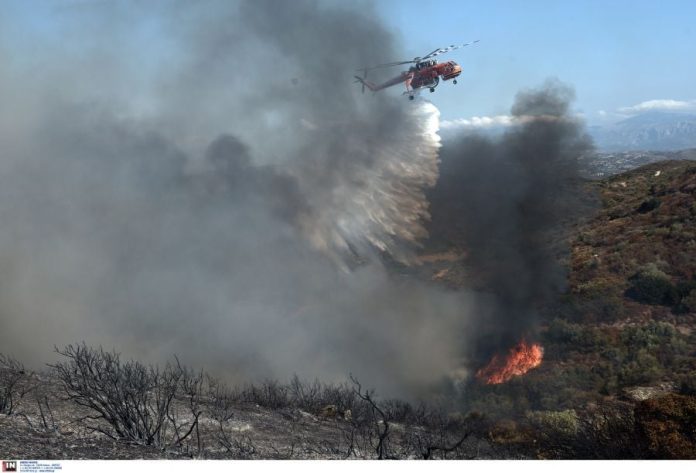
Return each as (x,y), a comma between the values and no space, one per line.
(575,337)
(557,423)
(313,397)
(12,374)
(607,432)
(649,205)
(667,426)
(650,336)
(641,369)
(270,394)
(689,302)
(687,385)
(131,401)
(651,286)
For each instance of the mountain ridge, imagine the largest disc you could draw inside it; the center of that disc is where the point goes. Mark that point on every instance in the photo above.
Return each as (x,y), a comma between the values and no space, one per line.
(664,131)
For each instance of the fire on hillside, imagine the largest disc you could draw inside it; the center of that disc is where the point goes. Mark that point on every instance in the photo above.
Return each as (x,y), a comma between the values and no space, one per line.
(520,359)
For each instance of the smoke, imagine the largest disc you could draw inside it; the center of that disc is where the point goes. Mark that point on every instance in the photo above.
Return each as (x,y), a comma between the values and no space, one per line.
(507,199)
(204,179)
(377,200)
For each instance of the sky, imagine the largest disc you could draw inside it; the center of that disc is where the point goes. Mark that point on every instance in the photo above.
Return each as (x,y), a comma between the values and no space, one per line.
(615,53)
(620,56)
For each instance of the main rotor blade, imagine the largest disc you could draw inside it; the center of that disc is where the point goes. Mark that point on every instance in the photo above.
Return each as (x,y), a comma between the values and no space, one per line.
(434,53)
(447,49)
(389,64)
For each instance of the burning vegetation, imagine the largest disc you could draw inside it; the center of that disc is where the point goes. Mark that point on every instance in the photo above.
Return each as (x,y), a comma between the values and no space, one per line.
(520,359)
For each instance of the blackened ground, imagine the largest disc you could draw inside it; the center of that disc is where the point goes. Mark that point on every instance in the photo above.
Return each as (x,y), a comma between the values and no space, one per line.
(263,422)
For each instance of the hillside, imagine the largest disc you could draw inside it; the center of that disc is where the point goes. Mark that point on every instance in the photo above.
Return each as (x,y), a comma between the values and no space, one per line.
(648,217)
(620,343)
(618,377)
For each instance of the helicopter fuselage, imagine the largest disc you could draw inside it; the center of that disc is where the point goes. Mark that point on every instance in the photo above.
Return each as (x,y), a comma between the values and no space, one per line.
(425,74)
(429,73)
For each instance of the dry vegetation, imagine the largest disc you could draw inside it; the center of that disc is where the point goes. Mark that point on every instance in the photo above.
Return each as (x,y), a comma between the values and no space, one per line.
(644,236)
(93,404)
(619,371)
(618,378)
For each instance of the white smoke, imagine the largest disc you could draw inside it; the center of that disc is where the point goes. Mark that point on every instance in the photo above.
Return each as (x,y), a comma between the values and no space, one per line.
(383,206)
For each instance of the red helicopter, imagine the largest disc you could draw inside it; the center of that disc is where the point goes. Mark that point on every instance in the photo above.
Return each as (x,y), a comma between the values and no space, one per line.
(425,73)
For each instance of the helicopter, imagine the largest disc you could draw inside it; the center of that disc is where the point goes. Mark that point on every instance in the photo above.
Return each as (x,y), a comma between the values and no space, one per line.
(425,72)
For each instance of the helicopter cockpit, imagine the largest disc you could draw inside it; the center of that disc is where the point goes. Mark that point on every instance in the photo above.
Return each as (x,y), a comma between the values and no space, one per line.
(425,64)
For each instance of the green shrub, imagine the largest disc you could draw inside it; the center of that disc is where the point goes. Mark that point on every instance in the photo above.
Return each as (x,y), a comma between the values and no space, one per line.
(649,205)
(576,337)
(689,301)
(561,331)
(563,423)
(687,384)
(651,286)
(644,368)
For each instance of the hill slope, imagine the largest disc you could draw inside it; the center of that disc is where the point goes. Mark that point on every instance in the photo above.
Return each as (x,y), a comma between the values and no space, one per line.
(618,379)
(621,342)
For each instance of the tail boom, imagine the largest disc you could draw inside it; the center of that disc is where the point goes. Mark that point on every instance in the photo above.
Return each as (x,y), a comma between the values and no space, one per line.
(367,83)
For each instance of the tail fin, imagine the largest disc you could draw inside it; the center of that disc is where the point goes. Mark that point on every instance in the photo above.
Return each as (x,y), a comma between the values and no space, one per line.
(365,83)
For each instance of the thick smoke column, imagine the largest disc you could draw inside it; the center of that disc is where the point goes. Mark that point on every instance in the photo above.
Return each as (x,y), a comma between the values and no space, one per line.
(508,197)
(173,200)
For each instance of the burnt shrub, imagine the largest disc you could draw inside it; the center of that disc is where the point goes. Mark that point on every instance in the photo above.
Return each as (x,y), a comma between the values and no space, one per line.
(269,393)
(12,375)
(128,400)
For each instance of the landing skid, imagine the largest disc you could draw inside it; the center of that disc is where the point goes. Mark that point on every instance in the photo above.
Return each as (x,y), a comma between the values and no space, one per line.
(412,93)
(431,87)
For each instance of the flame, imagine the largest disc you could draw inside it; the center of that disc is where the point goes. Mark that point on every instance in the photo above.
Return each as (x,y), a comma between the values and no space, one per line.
(521,358)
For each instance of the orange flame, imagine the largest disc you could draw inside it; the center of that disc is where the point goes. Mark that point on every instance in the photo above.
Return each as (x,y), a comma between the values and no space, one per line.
(521,358)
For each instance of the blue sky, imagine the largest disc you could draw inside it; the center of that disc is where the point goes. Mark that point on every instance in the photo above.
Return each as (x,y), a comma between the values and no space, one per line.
(615,53)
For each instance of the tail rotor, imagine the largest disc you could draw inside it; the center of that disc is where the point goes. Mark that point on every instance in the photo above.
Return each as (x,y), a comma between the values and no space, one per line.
(362,80)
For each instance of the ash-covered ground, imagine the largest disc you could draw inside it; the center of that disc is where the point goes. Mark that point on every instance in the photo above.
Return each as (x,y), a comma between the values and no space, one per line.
(89,408)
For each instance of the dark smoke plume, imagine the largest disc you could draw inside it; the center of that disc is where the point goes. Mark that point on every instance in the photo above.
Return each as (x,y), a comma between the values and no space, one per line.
(196,178)
(508,198)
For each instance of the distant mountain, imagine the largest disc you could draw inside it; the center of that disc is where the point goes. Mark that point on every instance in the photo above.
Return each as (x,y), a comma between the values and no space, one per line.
(649,131)
(652,131)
